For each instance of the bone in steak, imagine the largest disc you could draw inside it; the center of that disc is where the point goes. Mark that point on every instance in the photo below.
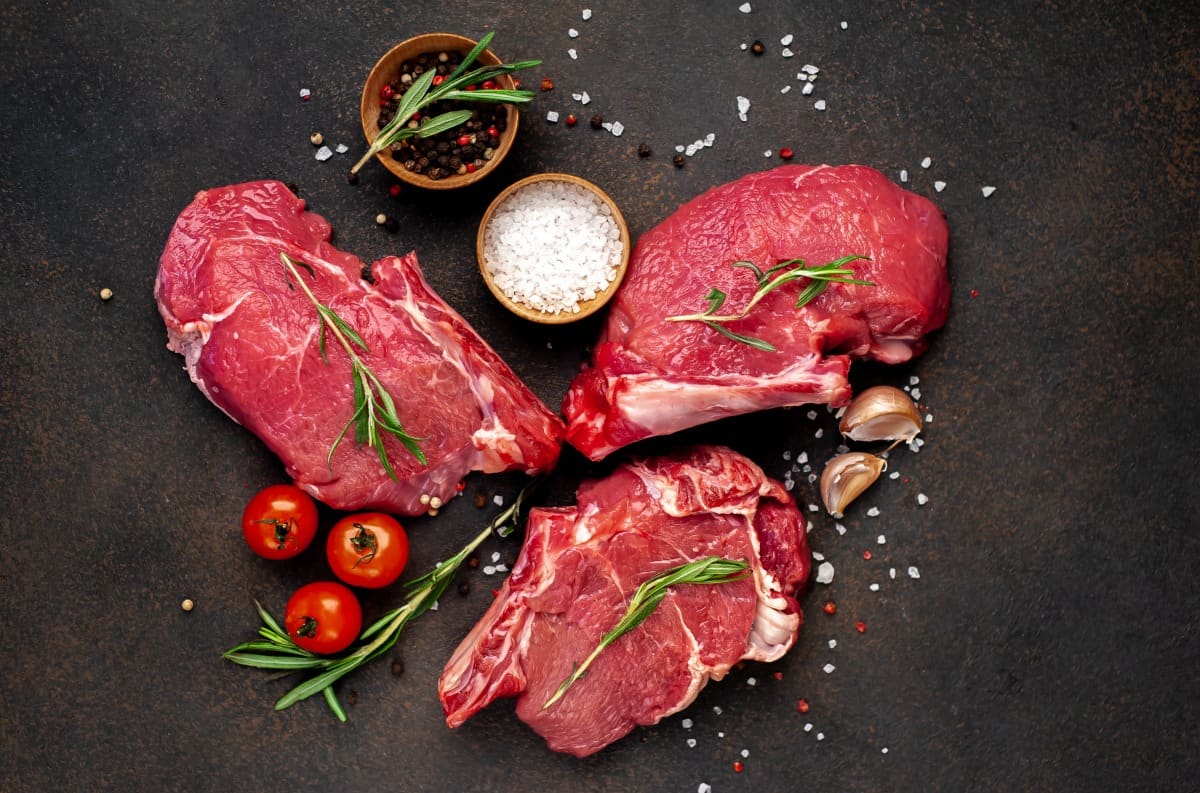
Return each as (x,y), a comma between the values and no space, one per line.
(579,566)
(652,377)
(250,343)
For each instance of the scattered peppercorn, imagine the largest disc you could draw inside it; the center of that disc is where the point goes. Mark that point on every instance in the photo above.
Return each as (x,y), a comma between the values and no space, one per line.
(974,293)
(644,150)
(394,190)
(547,84)
(757,47)
(106,294)
(381,218)
(351,177)
(785,153)
(571,120)
(187,604)
(473,562)
(464,588)
(802,706)
(366,275)
(830,607)
(480,500)
(777,675)
(316,139)
(860,626)
(679,160)
(867,555)
(351,697)
(397,668)
(738,767)
(597,121)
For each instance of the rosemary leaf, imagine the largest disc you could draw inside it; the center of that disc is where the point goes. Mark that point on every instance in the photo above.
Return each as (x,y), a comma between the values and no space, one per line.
(445,121)
(709,570)
(259,661)
(332,700)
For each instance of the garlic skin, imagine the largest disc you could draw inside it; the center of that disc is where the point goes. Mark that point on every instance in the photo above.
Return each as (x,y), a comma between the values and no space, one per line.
(846,477)
(881,413)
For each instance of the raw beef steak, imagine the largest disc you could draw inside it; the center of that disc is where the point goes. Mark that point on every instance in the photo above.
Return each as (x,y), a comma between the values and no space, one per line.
(250,341)
(653,377)
(580,565)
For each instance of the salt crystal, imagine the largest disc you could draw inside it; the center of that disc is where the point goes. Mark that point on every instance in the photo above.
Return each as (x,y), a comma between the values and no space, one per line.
(552,116)
(828,669)
(744,45)
(820,736)
(709,138)
(745,753)
(787,53)
(584,98)
(825,573)
(913,380)
(894,475)
(840,528)
(819,104)
(803,458)
(808,68)
(787,455)
(305,93)
(808,726)
(750,681)
(577,97)
(691,742)
(903,175)
(744,8)
(573,33)
(891,572)
(881,540)
(721,734)
(820,557)
(922,499)
(496,556)
(785,89)
(679,149)
(807,89)
(617,129)
(587,14)
(808,527)
(690,150)
(489,570)
(844,25)
(717,710)
(883,750)
(434,606)
(786,40)
(743,107)
(874,587)
(686,724)
(928,418)
(914,572)
(767,153)
(812,415)
(341,148)
(832,644)
(813,508)
(928,161)
(987,191)
(820,432)
(324,153)
(873,512)
(498,500)
(939,186)
(788,485)
(573,54)
(501,568)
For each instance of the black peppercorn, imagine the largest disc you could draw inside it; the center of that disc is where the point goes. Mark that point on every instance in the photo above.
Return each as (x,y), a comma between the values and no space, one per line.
(392,225)
(597,121)
(644,150)
(464,588)
(397,668)
(757,47)
(679,160)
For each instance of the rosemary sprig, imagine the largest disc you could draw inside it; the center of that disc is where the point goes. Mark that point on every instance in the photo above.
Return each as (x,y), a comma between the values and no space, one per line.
(835,272)
(277,651)
(423,93)
(374,408)
(709,570)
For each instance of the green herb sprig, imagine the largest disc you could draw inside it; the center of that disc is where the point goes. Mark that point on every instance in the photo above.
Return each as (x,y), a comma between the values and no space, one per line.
(374,408)
(423,93)
(277,651)
(820,277)
(709,570)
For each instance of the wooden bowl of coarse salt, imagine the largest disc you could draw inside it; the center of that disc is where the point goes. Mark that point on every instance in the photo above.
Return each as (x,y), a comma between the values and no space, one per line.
(553,248)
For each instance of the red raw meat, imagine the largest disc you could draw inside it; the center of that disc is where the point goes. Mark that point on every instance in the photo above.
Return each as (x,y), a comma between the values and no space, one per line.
(250,343)
(652,377)
(579,566)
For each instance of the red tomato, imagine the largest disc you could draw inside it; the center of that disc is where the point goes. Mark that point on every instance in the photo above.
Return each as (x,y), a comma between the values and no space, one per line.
(279,522)
(369,549)
(323,617)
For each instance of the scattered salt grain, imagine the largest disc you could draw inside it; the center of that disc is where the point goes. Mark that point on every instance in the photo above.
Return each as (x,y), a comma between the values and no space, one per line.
(551,245)
(903,175)
(808,726)
(710,138)
(552,116)
(573,33)
(587,14)
(844,25)
(786,40)
(679,149)
(873,512)
(812,415)
(813,508)
(874,587)
(744,45)
(584,98)
(788,485)
(501,568)
(787,53)
(914,572)
(744,8)
(819,104)
(717,710)
(939,186)
(324,153)
(750,681)
(721,734)
(743,107)
(498,500)
(894,475)
(686,724)
(881,540)
(341,148)
(928,161)
(820,736)
(704,788)
(495,556)
(787,455)
(913,380)
(434,606)
(767,153)
(305,94)
(820,557)
(745,753)
(617,129)
(883,750)
(489,569)
(922,499)
(808,68)
(803,458)
(691,742)
(987,191)
(891,572)
(825,573)
(928,418)
(832,644)
(573,54)
(820,432)
(785,89)
(807,89)
(828,669)
(840,528)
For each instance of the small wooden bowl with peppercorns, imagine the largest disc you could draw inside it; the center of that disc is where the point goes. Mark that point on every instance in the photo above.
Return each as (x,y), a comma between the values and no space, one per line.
(463,154)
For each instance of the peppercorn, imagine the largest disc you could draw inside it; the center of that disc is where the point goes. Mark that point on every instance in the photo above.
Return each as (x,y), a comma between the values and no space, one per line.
(785,153)
(394,190)
(679,160)
(106,294)
(351,178)
(571,120)
(464,588)
(473,562)
(802,706)
(597,121)
(830,607)
(316,139)
(392,225)
(397,668)
(644,150)
(187,604)
(757,47)
(547,84)
(381,218)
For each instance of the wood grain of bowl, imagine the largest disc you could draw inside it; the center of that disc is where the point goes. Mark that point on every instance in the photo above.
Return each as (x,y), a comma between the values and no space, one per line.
(387,68)
(586,307)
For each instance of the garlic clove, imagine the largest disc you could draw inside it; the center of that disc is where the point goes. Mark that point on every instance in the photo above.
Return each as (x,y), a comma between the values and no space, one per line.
(881,413)
(846,477)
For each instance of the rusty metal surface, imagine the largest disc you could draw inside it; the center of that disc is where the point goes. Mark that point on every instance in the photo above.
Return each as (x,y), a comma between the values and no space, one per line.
(1052,640)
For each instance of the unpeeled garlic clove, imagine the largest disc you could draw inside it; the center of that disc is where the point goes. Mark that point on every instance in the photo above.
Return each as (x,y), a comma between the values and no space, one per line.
(881,413)
(846,477)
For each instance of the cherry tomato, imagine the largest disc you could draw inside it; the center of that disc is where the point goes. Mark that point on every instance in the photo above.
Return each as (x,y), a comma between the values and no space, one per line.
(369,549)
(279,522)
(323,617)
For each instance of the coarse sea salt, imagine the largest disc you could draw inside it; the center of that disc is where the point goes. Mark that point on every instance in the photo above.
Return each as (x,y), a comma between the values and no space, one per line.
(324,153)
(744,8)
(825,573)
(987,191)
(551,245)
(574,55)
(786,40)
(587,14)
(743,107)
(573,33)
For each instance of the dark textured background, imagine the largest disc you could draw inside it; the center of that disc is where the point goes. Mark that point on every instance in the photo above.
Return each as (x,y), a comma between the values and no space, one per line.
(1052,640)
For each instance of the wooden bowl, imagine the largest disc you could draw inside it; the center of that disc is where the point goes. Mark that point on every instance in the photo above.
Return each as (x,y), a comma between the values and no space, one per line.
(388,67)
(586,307)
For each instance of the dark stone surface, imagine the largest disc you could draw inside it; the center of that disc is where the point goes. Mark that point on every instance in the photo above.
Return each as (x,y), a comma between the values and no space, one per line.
(1052,641)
